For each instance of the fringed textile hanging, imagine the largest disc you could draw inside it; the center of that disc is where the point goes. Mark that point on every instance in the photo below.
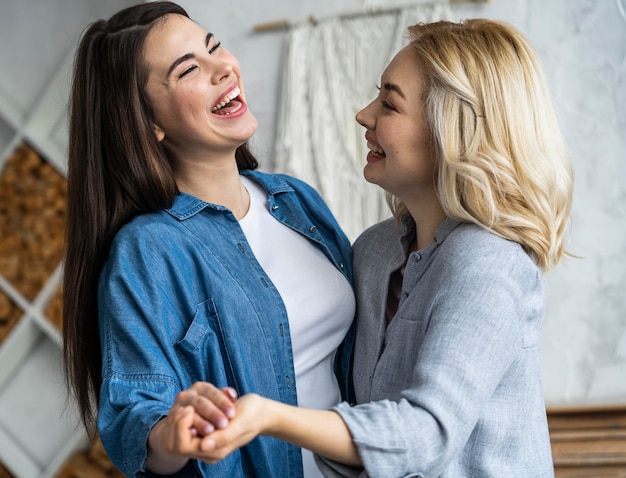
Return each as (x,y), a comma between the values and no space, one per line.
(331,72)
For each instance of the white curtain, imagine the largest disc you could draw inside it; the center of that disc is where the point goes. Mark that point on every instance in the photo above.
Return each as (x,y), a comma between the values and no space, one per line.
(331,72)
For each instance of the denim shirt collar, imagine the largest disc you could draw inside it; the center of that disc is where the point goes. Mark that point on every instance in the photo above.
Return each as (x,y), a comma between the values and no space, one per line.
(186,205)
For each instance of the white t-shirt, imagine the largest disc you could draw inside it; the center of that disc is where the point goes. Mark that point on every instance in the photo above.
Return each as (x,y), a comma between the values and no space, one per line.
(319,301)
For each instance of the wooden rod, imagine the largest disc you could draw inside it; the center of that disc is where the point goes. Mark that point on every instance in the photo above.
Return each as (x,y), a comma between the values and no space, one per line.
(285,24)
(272,26)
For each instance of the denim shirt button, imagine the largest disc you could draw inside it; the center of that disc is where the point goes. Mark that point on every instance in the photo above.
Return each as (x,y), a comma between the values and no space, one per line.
(274,208)
(341,266)
(312,228)
(288,381)
(241,249)
(264,282)
(418,257)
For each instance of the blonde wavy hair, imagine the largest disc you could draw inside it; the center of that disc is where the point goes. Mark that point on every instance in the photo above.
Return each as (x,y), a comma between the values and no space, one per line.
(500,158)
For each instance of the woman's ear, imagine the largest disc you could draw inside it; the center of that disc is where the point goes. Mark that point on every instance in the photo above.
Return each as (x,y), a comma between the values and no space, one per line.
(160,134)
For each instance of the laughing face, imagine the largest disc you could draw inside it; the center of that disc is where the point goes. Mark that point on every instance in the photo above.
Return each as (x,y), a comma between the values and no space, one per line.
(400,158)
(195,89)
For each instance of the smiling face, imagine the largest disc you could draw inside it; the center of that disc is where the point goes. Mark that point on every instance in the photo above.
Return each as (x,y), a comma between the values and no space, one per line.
(400,158)
(196,92)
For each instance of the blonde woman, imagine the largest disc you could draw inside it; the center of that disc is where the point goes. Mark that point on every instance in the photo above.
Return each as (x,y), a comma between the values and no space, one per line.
(450,292)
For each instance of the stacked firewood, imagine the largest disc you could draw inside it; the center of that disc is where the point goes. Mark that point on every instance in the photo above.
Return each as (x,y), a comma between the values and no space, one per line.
(32,220)
(4,473)
(32,228)
(33,198)
(9,315)
(54,310)
(90,463)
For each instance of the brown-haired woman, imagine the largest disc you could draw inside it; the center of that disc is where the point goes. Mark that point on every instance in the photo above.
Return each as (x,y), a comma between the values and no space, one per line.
(184,265)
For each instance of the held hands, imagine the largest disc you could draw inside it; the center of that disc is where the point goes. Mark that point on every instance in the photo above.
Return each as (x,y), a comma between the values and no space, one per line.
(185,432)
(213,407)
(206,425)
(253,417)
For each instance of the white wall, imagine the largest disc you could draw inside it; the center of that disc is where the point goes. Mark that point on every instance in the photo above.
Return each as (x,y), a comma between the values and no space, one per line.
(583,46)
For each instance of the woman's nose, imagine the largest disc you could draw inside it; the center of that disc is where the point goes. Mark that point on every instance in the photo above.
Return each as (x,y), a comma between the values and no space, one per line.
(363,118)
(222,71)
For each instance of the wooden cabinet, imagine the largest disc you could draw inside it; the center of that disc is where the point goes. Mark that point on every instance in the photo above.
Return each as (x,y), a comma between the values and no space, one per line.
(588,442)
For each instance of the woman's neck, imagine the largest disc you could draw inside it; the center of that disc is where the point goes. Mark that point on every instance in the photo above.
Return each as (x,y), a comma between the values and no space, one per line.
(216,184)
(427,219)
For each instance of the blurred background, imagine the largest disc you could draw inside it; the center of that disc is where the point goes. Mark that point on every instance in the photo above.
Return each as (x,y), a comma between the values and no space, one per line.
(305,101)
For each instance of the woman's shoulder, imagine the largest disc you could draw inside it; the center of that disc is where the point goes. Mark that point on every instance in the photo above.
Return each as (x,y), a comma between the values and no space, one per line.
(149,230)
(469,246)
(378,247)
(382,232)
(471,237)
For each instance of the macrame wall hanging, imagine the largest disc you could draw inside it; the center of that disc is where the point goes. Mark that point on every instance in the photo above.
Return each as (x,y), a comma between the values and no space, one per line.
(331,72)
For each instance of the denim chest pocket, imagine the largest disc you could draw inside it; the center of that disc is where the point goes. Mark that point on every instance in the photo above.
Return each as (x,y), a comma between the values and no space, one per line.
(203,350)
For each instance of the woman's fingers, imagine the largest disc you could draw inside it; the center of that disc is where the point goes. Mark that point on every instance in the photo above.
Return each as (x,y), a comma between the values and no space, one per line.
(182,432)
(241,430)
(231,393)
(214,407)
(173,436)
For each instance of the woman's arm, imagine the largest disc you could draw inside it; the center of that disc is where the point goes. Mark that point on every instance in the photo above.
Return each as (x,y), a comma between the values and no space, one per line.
(322,431)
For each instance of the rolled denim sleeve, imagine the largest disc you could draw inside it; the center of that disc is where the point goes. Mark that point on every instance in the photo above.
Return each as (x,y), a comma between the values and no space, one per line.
(137,336)
(129,409)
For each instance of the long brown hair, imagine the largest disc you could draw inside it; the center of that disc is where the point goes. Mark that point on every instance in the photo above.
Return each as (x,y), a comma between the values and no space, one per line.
(117,169)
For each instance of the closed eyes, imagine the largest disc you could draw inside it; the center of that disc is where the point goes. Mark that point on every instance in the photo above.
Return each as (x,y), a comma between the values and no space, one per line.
(212,50)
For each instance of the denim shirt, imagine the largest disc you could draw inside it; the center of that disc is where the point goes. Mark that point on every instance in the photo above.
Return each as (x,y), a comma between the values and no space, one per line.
(182,299)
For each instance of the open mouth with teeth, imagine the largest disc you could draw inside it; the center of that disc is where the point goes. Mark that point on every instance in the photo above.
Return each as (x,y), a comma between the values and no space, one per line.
(375,150)
(230,104)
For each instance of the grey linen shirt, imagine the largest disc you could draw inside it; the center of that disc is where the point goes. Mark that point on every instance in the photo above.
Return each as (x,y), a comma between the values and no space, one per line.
(451,386)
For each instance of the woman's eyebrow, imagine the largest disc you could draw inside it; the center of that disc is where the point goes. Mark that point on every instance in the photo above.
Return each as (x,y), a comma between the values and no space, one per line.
(207,40)
(394,87)
(188,56)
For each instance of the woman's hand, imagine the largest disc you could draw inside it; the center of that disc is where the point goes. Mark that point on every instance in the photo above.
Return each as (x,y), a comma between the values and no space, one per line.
(196,412)
(254,416)
(322,431)
(214,407)
(176,436)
